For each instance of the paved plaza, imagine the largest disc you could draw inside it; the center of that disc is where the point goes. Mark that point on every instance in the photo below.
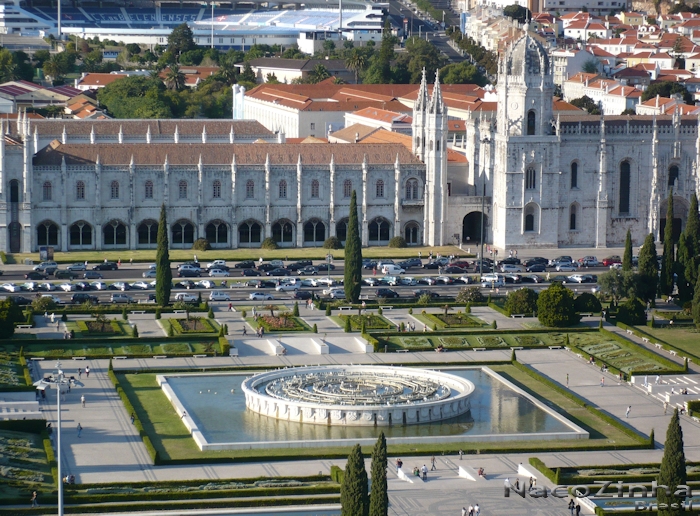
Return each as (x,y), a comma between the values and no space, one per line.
(110,450)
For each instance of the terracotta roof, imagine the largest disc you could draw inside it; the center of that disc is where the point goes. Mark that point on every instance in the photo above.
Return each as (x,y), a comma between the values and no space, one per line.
(633,71)
(100,79)
(193,74)
(562,105)
(349,133)
(222,154)
(456,126)
(13,116)
(278,63)
(383,115)
(582,77)
(385,137)
(354,105)
(184,126)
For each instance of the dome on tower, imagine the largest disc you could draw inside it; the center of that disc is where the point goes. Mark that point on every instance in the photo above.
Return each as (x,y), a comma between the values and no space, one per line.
(527,56)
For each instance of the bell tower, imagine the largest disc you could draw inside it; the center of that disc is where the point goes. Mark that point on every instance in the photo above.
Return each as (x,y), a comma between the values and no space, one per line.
(435,159)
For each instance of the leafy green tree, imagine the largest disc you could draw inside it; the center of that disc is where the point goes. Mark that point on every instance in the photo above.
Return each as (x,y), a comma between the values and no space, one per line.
(378,497)
(632,312)
(462,73)
(517,12)
(587,302)
(174,78)
(612,283)
(555,307)
(648,270)
(696,301)
(354,500)
(136,97)
(591,66)
(692,232)
(470,295)
(588,104)
(10,313)
(353,254)
(248,75)
(667,89)
(627,257)
(668,260)
(41,56)
(683,257)
(379,71)
(356,62)
(8,67)
(672,472)
(164,275)
(521,301)
(421,54)
(181,40)
(192,57)
(318,74)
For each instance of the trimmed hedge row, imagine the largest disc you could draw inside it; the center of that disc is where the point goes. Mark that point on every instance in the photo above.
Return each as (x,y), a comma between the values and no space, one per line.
(188,482)
(645,352)
(337,474)
(551,475)
(25,370)
(50,455)
(224,346)
(666,346)
(117,309)
(30,426)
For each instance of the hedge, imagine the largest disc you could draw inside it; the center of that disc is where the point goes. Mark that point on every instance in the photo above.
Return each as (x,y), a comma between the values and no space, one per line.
(25,370)
(188,482)
(30,426)
(673,366)
(119,308)
(666,346)
(208,326)
(50,455)
(337,474)
(551,475)
(224,346)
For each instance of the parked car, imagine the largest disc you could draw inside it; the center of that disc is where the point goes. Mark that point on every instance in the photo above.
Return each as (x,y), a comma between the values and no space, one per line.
(387,293)
(98,285)
(609,260)
(453,269)
(287,287)
(492,281)
(35,275)
(560,259)
(408,281)
(536,259)
(298,265)
(260,296)
(427,280)
(218,273)
(140,285)
(411,262)
(219,295)
(67,287)
(422,292)
(445,280)
(531,278)
(188,284)
(368,264)
(149,274)
(589,261)
(511,260)
(20,300)
(66,274)
(46,267)
(120,285)
(106,266)
(247,264)
(337,293)
(29,286)
(537,267)
(250,272)
(278,272)
(184,297)
(566,267)
(512,278)
(80,266)
(309,270)
(92,275)
(303,294)
(205,283)
(53,298)
(121,298)
(264,267)
(48,287)
(217,264)
(80,298)
(508,267)
(432,265)
(392,269)
(189,273)
(10,287)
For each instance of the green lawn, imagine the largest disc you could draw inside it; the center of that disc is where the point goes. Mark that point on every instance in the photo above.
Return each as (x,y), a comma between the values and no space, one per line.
(11,372)
(453,320)
(372,322)
(24,467)
(417,341)
(316,253)
(173,442)
(686,338)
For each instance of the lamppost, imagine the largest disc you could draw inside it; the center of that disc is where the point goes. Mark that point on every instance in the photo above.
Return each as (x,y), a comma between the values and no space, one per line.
(59,380)
(212,23)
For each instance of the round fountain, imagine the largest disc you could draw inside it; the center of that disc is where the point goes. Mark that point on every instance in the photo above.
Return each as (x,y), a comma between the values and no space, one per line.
(357,395)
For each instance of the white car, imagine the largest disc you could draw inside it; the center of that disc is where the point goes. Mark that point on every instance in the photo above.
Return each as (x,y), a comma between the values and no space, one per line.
(29,286)
(329,282)
(492,280)
(76,267)
(617,266)
(140,285)
(151,266)
(287,287)
(508,267)
(337,293)
(120,285)
(151,273)
(575,278)
(98,285)
(260,296)
(67,287)
(430,281)
(10,287)
(185,297)
(218,273)
(392,281)
(465,279)
(49,287)
(309,282)
(205,284)
(216,263)
(218,295)
(566,267)
(373,281)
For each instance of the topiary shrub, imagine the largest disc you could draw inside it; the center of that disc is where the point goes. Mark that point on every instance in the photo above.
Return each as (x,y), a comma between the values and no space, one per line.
(135,332)
(295,310)
(210,313)
(434,327)
(332,243)
(494,325)
(587,302)
(201,244)
(269,244)
(380,311)
(468,308)
(315,328)
(555,307)
(171,332)
(244,313)
(125,316)
(363,328)
(397,241)
(328,310)
(521,301)
(348,326)
(632,312)
(225,329)
(64,316)
(157,313)
(410,311)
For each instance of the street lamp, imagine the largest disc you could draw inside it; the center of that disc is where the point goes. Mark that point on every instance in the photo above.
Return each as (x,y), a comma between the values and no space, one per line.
(212,23)
(59,380)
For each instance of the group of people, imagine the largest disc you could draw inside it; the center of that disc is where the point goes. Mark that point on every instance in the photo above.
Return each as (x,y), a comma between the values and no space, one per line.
(69,479)
(68,335)
(406,327)
(473,510)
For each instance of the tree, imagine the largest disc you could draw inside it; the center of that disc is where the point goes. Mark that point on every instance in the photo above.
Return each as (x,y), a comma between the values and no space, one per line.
(696,301)
(353,491)
(692,232)
(420,54)
(632,312)
(318,74)
(617,284)
(587,302)
(627,257)
(521,301)
(356,62)
(248,75)
(591,66)
(379,71)
(379,499)
(181,40)
(462,73)
(353,254)
(588,104)
(648,270)
(672,472)
(683,257)
(666,89)
(517,12)
(555,307)
(10,313)
(174,78)
(164,276)
(668,259)
(8,67)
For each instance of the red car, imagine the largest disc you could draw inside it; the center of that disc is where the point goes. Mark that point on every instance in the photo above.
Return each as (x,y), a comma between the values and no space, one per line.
(610,260)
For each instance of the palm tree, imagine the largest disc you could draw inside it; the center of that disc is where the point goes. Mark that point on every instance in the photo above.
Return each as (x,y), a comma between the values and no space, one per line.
(319,73)
(356,62)
(53,67)
(446,308)
(174,78)
(272,309)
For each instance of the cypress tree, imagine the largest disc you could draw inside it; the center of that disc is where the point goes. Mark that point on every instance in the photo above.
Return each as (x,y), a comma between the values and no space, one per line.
(354,500)
(164,276)
(648,270)
(692,226)
(627,257)
(353,255)
(668,259)
(696,301)
(348,324)
(379,498)
(685,288)
(672,472)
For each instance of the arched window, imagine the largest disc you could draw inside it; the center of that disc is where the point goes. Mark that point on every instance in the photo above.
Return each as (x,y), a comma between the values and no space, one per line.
(625,173)
(249,189)
(80,234)
(314,189)
(437,145)
(216,189)
(380,188)
(341,230)
(217,232)
(283,189)
(314,232)
(418,143)
(183,232)
(114,233)
(572,217)
(182,190)
(79,190)
(47,191)
(530,179)
(249,232)
(283,232)
(672,175)
(531,123)
(574,175)
(148,190)
(347,188)
(14,191)
(379,230)
(47,233)
(412,189)
(531,217)
(411,233)
(147,233)
(114,190)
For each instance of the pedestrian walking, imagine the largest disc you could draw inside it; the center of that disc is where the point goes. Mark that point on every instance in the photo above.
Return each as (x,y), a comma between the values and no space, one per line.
(34,499)
(53,316)
(627,412)
(230,307)
(432,463)
(82,400)
(657,379)
(460,454)
(464,511)
(80,373)
(477,509)
(572,506)
(602,381)
(87,372)
(424,469)
(578,509)
(80,429)
(133,418)
(529,487)
(645,381)
(567,379)
(470,511)
(58,325)
(245,331)
(665,407)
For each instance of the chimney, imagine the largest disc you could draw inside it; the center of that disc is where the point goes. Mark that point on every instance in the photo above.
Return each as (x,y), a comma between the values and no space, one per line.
(357,137)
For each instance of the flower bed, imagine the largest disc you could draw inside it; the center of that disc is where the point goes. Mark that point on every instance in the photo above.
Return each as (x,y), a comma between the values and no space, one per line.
(372,322)
(277,323)
(458,320)
(192,325)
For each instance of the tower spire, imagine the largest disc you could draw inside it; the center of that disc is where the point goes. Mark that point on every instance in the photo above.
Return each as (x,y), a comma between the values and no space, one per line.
(437,105)
(422,99)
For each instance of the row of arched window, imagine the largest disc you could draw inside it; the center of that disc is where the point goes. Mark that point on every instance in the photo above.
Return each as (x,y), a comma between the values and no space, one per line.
(412,191)
(250,232)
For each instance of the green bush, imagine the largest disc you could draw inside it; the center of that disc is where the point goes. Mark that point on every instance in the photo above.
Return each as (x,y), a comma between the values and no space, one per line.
(201,244)
(43,304)
(494,325)
(521,301)
(397,242)
(64,316)
(125,315)
(224,345)
(328,310)
(295,310)
(380,311)
(337,474)
(171,332)
(348,325)
(135,332)
(587,302)
(269,244)
(244,313)
(555,307)
(210,313)
(332,243)
(410,311)
(315,328)
(632,312)
(470,295)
